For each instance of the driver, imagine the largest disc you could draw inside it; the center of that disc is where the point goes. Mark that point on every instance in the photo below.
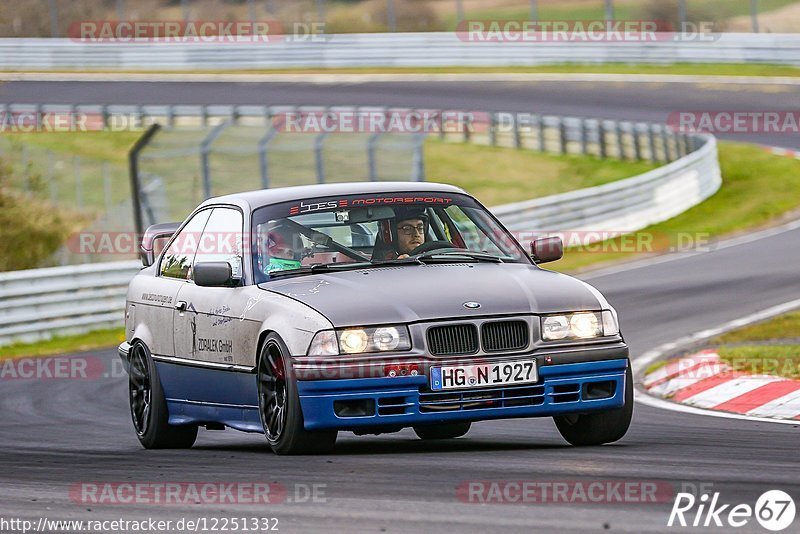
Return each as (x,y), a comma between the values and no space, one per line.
(279,249)
(410,227)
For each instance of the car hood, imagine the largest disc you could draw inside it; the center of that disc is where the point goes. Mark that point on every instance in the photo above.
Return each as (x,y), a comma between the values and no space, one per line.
(410,293)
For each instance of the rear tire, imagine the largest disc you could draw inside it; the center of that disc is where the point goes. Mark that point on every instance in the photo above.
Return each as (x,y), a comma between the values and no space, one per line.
(602,427)
(148,406)
(442,431)
(279,405)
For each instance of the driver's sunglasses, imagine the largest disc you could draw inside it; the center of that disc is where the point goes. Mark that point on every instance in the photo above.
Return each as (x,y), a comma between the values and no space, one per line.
(408,229)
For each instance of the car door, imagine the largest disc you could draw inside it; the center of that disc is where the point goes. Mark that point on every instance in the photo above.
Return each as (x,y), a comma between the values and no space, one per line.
(207,320)
(157,303)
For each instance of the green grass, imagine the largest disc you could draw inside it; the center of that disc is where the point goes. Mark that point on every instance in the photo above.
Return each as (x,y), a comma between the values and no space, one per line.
(777,360)
(782,327)
(498,175)
(687,69)
(758,188)
(98,339)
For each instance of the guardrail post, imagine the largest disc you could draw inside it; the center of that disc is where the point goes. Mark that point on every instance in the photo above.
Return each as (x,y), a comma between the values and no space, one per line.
(562,135)
(665,144)
(540,134)
(637,141)
(651,143)
(106,117)
(620,145)
(584,137)
(170,116)
(601,138)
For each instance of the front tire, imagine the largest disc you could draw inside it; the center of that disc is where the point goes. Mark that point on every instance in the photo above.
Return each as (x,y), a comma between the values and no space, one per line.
(149,411)
(443,431)
(602,427)
(279,405)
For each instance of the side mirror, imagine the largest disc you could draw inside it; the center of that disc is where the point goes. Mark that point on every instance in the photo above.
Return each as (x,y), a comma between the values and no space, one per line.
(547,249)
(154,240)
(213,274)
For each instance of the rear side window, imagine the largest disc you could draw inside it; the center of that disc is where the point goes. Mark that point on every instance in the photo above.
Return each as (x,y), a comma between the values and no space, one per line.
(179,257)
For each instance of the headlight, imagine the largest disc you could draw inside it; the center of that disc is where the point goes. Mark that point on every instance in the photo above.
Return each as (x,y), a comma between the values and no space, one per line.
(581,325)
(360,340)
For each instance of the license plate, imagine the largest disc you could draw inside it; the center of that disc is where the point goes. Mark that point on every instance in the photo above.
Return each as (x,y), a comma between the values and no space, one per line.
(483,374)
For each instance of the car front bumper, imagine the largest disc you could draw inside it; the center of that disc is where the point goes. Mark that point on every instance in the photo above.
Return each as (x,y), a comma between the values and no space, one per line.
(385,404)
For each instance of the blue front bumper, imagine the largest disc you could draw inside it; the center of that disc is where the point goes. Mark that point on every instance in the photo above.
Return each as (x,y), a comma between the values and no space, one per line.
(366,403)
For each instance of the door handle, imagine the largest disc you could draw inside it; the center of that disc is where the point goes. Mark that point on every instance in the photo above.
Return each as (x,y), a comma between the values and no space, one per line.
(180,305)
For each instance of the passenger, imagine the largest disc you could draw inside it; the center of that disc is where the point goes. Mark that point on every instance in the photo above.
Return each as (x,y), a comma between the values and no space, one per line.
(279,249)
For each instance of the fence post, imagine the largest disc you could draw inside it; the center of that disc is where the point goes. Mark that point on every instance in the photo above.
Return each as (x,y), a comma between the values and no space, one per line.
(492,129)
(319,145)
(205,152)
(517,136)
(562,135)
(133,169)
(51,179)
(107,188)
(418,161)
(170,116)
(26,172)
(263,162)
(76,164)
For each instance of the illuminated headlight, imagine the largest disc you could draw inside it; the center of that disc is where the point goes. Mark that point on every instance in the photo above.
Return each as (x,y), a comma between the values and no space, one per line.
(360,340)
(582,325)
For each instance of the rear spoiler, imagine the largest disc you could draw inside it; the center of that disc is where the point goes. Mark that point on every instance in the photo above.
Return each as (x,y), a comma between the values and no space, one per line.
(154,240)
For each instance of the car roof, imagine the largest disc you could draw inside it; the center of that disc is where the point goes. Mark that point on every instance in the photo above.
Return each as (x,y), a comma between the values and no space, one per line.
(265,197)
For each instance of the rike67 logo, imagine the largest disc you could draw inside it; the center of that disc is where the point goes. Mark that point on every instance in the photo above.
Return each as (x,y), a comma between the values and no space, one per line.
(774,510)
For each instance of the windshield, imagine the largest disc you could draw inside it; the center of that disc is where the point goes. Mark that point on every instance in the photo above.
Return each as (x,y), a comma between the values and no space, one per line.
(364,230)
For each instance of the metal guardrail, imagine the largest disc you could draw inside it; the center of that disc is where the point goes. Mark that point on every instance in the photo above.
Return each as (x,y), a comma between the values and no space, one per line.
(391,50)
(40,303)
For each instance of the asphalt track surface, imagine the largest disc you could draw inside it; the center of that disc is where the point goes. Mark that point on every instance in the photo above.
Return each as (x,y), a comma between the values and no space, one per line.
(56,433)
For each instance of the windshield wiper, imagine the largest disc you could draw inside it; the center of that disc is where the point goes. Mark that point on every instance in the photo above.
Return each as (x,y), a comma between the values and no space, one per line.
(479,256)
(321,268)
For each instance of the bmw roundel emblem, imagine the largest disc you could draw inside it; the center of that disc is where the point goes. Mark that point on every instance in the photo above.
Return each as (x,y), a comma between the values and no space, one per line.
(472,305)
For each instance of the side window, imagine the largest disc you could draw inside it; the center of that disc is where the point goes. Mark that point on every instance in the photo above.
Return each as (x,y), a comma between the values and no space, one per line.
(178,259)
(222,239)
